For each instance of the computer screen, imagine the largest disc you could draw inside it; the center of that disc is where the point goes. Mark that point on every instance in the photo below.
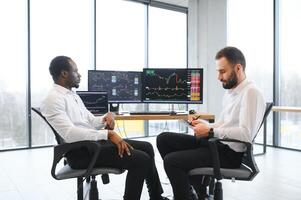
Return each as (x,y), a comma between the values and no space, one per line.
(122,86)
(95,102)
(172,85)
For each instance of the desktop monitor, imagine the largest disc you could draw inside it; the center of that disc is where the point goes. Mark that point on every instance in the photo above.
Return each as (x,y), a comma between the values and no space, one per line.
(95,102)
(164,85)
(122,86)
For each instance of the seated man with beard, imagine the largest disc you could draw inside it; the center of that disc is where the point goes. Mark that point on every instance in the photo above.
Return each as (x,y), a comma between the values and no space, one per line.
(243,110)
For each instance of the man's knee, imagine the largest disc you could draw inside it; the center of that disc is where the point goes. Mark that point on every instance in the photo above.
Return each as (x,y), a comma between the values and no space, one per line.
(141,159)
(148,148)
(161,138)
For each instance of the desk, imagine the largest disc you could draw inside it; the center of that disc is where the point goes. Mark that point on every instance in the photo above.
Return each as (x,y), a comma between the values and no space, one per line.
(204,116)
(286,109)
(276,109)
(128,117)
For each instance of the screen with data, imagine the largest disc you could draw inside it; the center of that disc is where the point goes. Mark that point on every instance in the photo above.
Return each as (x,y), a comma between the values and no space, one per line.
(95,102)
(172,85)
(122,86)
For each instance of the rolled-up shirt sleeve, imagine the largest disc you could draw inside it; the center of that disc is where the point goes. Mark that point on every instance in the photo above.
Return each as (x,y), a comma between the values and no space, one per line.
(55,112)
(96,122)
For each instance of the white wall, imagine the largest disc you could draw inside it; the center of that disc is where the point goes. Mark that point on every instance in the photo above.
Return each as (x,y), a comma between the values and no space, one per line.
(207,24)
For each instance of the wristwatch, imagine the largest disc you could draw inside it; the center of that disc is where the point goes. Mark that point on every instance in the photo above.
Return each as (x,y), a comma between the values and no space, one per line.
(210,133)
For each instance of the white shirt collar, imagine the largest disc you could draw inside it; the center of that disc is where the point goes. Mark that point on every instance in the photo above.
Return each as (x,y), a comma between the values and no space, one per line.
(61,89)
(240,87)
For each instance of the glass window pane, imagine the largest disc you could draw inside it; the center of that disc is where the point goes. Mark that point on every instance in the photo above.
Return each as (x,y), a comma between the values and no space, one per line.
(252,32)
(167,38)
(120,35)
(167,49)
(120,46)
(290,75)
(58,27)
(13,76)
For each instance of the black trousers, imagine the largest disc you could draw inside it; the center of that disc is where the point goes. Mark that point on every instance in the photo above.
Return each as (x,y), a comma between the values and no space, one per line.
(181,153)
(140,166)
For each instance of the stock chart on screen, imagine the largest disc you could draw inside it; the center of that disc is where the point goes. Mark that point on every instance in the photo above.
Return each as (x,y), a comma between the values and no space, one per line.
(172,85)
(95,102)
(122,86)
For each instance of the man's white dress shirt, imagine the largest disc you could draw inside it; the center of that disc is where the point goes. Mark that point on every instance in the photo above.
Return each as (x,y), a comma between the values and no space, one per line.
(68,115)
(243,111)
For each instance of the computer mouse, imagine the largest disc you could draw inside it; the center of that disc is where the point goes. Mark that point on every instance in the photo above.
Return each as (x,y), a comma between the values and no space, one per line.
(192,112)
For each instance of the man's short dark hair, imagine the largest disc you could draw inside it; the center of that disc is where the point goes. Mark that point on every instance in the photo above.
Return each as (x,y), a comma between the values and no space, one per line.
(233,55)
(57,65)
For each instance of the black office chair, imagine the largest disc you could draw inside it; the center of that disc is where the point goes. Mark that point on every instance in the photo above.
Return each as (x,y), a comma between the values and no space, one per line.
(247,171)
(66,172)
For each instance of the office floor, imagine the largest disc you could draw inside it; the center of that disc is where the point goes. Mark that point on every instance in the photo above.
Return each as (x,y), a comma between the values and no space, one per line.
(25,175)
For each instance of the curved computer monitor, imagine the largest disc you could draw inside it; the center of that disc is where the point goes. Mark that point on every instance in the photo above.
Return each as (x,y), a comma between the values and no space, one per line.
(95,101)
(122,86)
(166,85)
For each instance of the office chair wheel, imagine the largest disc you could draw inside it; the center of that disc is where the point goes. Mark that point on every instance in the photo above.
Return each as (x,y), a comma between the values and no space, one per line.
(218,191)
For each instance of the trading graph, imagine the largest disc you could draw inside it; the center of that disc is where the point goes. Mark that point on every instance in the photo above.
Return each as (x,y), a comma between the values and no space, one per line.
(96,102)
(121,86)
(172,84)
(89,102)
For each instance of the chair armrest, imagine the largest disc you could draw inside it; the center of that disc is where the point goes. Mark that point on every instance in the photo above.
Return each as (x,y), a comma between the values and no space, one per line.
(248,144)
(248,158)
(61,149)
(215,155)
(229,140)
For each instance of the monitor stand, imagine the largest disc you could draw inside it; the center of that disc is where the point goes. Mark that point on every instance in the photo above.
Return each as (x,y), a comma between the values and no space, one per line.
(114,107)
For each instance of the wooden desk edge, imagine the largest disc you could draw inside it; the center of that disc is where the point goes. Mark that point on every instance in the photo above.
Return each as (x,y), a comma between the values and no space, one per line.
(286,109)
(161,117)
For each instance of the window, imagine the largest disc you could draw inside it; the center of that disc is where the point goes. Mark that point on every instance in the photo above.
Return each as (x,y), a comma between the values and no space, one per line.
(120,46)
(167,38)
(58,27)
(13,77)
(66,27)
(167,49)
(120,43)
(289,70)
(250,28)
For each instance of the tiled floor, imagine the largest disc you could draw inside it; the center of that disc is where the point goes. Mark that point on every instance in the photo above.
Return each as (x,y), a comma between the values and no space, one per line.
(25,175)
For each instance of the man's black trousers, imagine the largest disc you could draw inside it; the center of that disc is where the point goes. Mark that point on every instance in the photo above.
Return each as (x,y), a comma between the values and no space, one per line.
(181,153)
(140,166)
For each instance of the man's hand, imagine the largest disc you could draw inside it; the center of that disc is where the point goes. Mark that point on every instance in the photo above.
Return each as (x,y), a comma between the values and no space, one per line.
(201,130)
(122,146)
(109,120)
(193,120)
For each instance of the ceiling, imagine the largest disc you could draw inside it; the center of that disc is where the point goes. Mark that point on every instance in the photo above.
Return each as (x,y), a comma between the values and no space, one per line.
(183,3)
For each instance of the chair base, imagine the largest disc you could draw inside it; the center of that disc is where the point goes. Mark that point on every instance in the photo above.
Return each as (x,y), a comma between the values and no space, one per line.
(90,190)
(218,191)
(93,193)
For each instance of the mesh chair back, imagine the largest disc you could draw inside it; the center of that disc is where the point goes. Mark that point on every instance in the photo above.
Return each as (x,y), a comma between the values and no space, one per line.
(248,158)
(58,138)
(268,109)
